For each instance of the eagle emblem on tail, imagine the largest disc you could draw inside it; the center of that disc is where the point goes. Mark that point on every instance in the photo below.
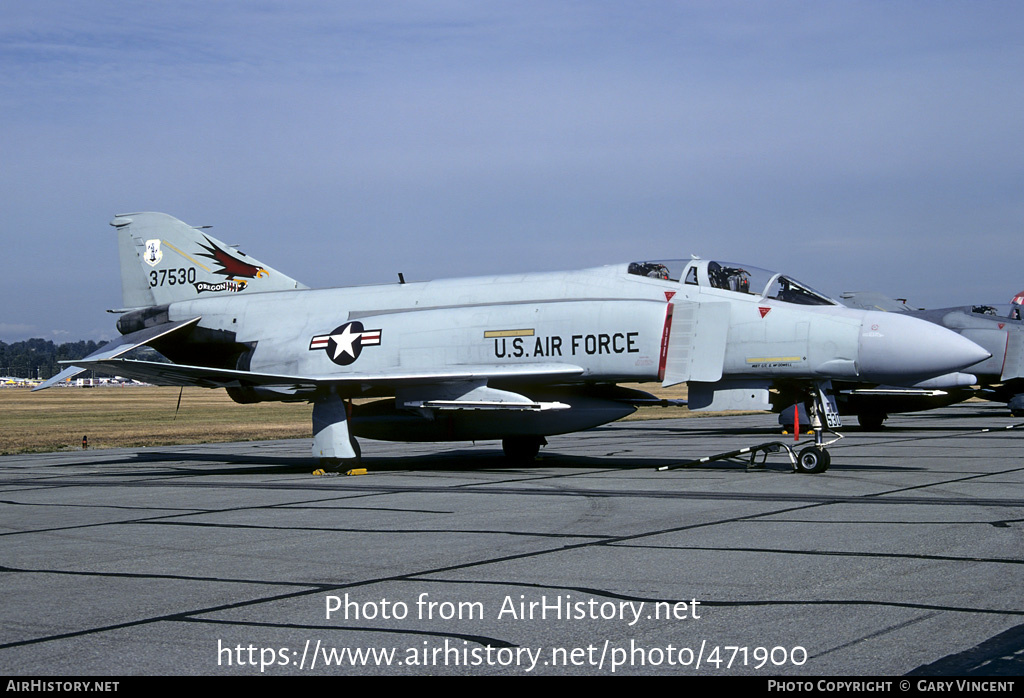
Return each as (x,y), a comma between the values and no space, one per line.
(231,266)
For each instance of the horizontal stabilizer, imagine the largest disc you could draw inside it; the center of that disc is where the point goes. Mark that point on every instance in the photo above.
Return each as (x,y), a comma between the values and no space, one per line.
(119,346)
(201,376)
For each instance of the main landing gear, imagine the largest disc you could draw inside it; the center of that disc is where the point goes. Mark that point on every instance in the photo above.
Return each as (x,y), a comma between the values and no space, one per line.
(333,444)
(522,449)
(871,421)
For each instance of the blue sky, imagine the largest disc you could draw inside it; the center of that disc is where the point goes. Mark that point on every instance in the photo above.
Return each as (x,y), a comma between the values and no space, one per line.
(856,145)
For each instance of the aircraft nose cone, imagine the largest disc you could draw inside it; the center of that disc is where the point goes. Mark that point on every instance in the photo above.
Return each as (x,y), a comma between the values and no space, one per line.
(899,349)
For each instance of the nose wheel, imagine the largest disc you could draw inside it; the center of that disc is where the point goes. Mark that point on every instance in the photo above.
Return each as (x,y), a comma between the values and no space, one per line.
(813,459)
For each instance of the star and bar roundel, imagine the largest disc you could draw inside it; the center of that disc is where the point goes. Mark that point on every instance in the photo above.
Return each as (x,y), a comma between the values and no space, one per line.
(345,343)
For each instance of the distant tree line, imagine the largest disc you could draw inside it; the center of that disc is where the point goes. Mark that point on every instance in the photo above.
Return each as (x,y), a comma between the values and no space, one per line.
(37,358)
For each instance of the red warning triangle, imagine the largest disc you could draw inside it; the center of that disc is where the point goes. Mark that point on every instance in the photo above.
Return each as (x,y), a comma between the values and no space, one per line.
(669,294)
(764,311)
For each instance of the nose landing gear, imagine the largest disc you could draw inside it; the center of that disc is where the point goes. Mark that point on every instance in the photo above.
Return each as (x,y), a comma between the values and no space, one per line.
(816,459)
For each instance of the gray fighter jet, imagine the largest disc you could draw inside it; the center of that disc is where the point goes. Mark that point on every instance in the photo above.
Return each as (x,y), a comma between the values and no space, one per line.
(1000,377)
(514,357)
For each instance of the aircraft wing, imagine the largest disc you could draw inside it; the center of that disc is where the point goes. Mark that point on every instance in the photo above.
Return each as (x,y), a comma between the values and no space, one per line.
(869,300)
(119,346)
(202,376)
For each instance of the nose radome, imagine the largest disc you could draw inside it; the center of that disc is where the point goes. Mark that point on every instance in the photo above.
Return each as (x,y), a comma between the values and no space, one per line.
(898,349)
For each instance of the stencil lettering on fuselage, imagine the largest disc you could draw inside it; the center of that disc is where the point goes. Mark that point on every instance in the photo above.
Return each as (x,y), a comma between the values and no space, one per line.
(517,344)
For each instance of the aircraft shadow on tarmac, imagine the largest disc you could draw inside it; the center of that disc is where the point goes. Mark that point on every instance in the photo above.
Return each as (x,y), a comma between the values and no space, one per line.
(180,463)
(175,462)
(183,461)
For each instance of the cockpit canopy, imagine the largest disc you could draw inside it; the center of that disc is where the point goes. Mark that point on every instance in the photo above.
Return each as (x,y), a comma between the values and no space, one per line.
(657,270)
(728,276)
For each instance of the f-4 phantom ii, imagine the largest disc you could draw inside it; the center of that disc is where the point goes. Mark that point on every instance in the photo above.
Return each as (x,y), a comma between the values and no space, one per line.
(1001,376)
(514,357)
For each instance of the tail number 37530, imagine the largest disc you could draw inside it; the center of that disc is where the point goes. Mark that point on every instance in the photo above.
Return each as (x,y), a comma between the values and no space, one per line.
(172,277)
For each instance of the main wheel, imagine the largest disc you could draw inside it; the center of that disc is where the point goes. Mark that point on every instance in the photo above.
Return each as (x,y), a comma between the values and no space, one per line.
(522,449)
(813,460)
(871,421)
(337,465)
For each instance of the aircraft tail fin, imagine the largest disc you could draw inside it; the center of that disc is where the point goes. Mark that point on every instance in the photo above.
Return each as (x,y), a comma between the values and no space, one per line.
(164,260)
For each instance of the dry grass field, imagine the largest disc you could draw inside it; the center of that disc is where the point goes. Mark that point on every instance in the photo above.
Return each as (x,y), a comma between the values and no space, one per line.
(57,419)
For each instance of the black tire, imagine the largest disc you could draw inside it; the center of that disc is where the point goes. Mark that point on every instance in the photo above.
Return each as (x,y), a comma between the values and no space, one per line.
(522,449)
(871,421)
(337,465)
(813,460)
